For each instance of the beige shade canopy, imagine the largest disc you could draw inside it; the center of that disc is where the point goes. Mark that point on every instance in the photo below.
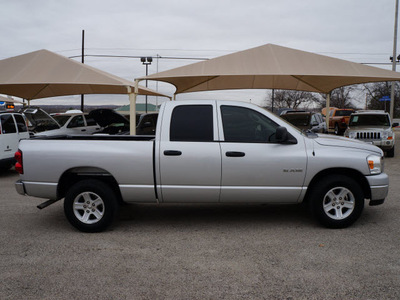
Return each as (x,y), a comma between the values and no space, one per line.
(272,67)
(42,74)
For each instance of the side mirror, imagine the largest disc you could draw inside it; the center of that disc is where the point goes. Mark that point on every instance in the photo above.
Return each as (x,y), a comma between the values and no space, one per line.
(282,136)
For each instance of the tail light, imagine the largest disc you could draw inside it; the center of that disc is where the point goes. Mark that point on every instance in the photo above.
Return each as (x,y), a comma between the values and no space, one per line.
(343,120)
(18,165)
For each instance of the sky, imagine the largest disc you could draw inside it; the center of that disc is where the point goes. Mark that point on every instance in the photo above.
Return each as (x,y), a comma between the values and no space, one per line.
(355,30)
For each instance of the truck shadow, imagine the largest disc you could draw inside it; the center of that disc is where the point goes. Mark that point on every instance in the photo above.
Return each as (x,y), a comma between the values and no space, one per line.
(8,173)
(200,214)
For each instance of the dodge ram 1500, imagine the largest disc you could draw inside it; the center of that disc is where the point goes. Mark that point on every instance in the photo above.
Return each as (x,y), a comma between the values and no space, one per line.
(204,152)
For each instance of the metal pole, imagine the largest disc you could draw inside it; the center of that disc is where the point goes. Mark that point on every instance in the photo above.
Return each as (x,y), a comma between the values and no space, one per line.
(83,61)
(158,58)
(273,100)
(147,73)
(328,106)
(394,60)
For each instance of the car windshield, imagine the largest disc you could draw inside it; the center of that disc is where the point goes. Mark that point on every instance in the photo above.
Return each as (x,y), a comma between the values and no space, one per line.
(299,120)
(368,120)
(343,113)
(61,119)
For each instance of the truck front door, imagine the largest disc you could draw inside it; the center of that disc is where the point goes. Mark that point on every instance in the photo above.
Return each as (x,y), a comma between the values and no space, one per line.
(255,168)
(189,155)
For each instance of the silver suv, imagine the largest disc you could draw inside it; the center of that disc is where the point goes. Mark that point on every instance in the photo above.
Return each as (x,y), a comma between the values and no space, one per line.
(373,127)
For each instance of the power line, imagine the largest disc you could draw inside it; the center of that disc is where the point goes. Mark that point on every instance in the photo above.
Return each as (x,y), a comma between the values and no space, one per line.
(139,56)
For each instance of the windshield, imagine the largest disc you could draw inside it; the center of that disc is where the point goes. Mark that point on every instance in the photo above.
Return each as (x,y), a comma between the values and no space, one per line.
(343,113)
(61,119)
(299,120)
(369,120)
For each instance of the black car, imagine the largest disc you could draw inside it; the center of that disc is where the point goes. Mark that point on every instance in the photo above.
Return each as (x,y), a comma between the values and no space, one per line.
(306,121)
(115,123)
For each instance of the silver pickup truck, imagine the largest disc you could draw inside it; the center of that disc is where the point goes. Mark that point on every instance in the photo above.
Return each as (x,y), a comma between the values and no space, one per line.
(204,152)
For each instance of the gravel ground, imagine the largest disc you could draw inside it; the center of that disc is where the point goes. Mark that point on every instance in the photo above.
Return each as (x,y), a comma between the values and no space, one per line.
(199,252)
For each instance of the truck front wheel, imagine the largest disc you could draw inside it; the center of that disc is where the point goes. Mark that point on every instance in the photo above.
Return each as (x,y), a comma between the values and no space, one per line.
(90,205)
(337,201)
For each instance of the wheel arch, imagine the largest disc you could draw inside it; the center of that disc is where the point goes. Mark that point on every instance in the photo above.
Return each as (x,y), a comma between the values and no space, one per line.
(74,175)
(356,175)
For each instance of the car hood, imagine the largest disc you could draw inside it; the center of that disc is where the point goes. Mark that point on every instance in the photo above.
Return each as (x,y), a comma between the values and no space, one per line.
(105,117)
(336,141)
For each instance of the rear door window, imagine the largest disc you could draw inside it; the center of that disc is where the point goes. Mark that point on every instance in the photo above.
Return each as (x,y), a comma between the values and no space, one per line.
(90,121)
(192,123)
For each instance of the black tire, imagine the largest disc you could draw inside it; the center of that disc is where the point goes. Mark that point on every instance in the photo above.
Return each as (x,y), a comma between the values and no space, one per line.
(390,153)
(336,201)
(90,205)
(337,130)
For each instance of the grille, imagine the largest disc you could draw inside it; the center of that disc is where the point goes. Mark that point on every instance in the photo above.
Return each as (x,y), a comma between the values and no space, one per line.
(369,135)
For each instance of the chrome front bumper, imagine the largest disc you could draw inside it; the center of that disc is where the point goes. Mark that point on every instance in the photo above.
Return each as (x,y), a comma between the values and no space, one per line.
(379,185)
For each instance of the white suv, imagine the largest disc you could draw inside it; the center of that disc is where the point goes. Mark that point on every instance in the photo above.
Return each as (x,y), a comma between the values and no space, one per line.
(72,122)
(12,129)
(374,127)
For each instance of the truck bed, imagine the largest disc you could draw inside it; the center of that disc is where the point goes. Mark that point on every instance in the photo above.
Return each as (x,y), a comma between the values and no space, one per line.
(127,159)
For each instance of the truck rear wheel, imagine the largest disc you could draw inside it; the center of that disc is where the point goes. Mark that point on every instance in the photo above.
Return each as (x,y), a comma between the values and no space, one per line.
(337,201)
(90,205)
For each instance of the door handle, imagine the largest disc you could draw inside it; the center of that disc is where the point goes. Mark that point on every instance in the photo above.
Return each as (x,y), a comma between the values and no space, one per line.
(235,154)
(172,153)
(83,130)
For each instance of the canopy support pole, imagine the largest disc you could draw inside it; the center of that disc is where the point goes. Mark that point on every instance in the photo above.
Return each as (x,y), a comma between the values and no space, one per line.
(394,61)
(132,107)
(327,112)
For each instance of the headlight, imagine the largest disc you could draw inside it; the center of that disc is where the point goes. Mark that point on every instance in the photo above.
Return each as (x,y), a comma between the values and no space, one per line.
(352,134)
(385,135)
(375,164)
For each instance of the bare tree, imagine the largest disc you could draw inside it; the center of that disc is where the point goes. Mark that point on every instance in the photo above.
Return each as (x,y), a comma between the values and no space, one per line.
(342,97)
(291,99)
(375,92)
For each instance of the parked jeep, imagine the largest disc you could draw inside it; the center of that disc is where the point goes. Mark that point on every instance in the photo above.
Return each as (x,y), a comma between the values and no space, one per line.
(373,127)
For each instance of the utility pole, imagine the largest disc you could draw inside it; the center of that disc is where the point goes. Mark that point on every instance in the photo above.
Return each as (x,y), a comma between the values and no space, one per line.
(83,61)
(394,60)
(146,61)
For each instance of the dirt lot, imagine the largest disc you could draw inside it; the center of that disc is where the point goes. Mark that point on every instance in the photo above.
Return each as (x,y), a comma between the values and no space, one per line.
(199,252)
